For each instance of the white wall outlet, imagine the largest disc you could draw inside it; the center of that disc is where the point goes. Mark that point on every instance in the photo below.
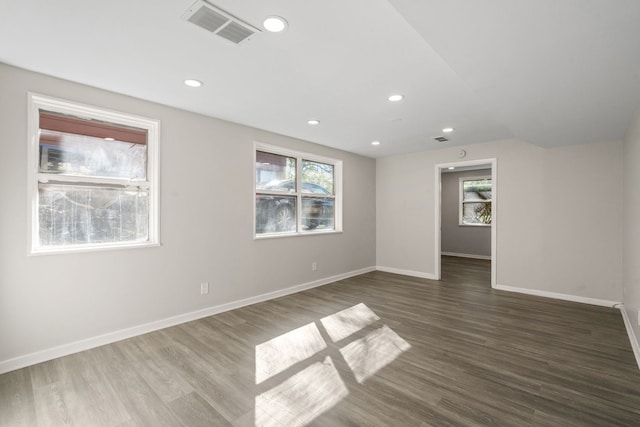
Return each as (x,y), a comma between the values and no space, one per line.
(204,288)
(638,317)
(314,266)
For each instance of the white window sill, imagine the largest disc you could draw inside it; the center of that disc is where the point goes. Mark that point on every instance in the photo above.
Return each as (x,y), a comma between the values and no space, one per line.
(266,236)
(58,250)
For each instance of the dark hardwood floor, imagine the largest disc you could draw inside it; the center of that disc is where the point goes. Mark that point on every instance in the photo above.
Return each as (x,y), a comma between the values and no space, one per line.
(375,350)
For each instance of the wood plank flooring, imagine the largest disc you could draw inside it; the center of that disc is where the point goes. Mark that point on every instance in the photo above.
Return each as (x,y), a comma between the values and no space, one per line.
(375,350)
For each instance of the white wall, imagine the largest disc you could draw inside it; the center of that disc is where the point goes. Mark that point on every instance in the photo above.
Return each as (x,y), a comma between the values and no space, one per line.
(631,260)
(206,229)
(558,215)
(583,227)
(456,238)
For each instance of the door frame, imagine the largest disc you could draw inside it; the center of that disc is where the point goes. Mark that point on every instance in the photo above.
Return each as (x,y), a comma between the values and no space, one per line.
(493,164)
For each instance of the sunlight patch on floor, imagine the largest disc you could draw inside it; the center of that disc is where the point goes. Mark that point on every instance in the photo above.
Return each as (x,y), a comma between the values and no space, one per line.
(366,356)
(284,351)
(305,393)
(348,321)
(302,397)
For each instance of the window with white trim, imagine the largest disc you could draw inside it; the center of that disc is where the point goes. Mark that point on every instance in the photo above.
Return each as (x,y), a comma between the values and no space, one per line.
(92,177)
(475,201)
(296,193)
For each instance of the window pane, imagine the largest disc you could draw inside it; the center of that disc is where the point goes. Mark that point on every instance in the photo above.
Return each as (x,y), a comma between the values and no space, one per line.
(317,177)
(275,214)
(80,155)
(73,214)
(477,190)
(82,147)
(275,172)
(476,213)
(317,213)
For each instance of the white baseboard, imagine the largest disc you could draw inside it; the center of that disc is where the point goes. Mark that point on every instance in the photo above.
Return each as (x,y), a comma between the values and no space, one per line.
(108,338)
(420,274)
(632,336)
(565,297)
(488,257)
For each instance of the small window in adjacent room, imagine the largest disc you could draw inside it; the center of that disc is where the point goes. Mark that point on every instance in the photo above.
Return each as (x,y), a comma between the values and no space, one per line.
(296,193)
(92,177)
(475,201)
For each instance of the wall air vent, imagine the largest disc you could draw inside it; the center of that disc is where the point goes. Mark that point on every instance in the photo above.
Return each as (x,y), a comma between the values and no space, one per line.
(441,139)
(219,22)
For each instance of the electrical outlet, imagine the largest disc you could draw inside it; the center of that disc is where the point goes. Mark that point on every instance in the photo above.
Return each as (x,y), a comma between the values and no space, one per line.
(638,317)
(204,288)
(314,266)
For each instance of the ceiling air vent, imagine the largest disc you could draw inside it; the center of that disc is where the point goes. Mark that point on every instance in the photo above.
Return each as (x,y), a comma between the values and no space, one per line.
(219,22)
(441,139)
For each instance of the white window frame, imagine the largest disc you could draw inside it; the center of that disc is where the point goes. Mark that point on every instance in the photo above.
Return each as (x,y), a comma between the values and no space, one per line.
(300,156)
(37,102)
(461,201)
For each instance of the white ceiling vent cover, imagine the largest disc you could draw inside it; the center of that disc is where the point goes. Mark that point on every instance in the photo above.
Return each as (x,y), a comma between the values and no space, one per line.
(219,22)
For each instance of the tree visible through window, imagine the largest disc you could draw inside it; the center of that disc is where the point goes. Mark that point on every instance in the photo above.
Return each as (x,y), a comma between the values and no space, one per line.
(475,201)
(295,192)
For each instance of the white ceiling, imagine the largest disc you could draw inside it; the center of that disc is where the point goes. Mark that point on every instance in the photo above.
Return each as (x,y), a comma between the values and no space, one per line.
(552,72)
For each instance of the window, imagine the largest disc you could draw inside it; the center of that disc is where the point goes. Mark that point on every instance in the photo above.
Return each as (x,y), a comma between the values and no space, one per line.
(92,177)
(296,193)
(475,201)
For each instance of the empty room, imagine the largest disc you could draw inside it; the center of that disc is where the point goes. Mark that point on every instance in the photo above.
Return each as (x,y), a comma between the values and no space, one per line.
(336,213)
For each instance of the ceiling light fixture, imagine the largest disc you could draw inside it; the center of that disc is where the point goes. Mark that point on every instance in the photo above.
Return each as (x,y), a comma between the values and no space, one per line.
(275,24)
(313,122)
(193,83)
(109,139)
(396,98)
(451,168)
(375,142)
(447,130)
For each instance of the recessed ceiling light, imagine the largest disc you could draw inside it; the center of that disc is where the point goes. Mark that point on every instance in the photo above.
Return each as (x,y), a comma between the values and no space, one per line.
(375,142)
(451,168)
(396,98)
(109,139)
(193,83)
(275,24)
(313,122)
(447,130)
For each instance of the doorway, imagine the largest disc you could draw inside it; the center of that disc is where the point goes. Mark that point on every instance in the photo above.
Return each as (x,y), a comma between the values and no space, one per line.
(486,164)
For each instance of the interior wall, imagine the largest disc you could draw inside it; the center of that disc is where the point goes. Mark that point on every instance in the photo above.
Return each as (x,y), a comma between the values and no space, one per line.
(631,245)
(456,238)
(552,235)
(206,218)
(582,218)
